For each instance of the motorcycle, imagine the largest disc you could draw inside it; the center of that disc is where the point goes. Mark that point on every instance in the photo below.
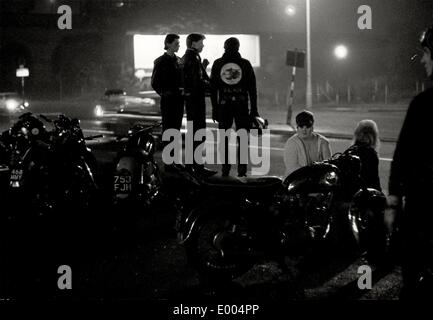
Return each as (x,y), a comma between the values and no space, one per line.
(136,177)
(51,169)
(49,186)
(74,161)
(138,183)
(25,148)
(271,218)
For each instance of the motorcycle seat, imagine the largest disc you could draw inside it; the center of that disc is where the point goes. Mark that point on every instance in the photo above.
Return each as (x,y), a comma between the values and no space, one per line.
(243,184)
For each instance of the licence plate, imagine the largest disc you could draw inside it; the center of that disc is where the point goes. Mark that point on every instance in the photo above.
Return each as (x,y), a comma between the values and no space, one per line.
(122,183)
(15,177)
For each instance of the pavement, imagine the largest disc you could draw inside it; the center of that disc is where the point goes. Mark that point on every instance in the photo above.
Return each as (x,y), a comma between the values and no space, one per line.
(339,122)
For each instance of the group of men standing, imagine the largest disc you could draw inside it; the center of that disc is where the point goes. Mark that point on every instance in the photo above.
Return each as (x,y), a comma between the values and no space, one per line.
(184,82)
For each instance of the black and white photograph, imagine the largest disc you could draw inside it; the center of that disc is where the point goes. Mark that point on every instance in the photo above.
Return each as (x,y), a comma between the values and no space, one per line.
(216,159)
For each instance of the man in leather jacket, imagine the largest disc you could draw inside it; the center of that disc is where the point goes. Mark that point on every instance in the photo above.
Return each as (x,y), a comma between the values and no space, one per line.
(233,84)
(167,82)
(410,200)
(196,82)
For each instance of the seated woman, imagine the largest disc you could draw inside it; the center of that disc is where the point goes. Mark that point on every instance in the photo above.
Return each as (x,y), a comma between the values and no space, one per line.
(365,145)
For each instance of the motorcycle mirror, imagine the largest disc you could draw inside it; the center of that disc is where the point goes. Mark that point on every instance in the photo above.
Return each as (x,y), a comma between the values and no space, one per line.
(157,124)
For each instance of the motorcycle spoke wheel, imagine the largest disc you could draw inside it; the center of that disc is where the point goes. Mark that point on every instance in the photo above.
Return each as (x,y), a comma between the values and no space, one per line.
(206,251)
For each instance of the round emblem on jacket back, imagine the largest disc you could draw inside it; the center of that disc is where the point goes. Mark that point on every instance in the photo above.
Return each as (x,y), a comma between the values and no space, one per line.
(231,73)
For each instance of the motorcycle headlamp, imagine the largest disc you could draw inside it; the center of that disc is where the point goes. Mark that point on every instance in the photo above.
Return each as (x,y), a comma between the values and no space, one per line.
(331,178)
(24,131)
(290,187)
(147,145)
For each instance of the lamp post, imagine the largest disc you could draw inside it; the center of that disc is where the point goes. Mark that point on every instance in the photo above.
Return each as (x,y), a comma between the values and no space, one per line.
(290,10)
(341,52)
(309,94)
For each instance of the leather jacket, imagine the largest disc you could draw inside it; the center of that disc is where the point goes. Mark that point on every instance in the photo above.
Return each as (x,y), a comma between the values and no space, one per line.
(167,75)
(412,164)
(196,80)
(233,81)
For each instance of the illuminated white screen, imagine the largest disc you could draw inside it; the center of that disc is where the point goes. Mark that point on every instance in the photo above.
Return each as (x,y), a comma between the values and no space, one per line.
(149,47)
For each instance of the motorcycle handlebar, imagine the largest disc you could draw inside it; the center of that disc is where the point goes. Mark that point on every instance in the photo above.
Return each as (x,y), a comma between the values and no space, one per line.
(130,135)
(94,137)
(146,129)
(45,118)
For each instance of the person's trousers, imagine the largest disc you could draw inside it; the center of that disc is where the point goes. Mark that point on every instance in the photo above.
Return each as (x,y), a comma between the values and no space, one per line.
(227,114)
(417,248)
(196,113)
(172,108)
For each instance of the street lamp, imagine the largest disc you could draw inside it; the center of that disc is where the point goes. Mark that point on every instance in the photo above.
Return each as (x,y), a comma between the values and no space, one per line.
(341,51)
(140,74)
(290,10)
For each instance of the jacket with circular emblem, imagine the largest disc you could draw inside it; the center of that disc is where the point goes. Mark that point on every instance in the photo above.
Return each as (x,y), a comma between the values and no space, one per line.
(233,82)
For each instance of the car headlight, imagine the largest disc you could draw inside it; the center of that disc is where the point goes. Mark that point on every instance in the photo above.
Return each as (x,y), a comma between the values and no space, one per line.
(26,104)
(149,101)
(99,112)
(12,104)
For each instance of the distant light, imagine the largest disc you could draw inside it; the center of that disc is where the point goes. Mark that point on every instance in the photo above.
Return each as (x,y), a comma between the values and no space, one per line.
(140,73)
(22,72)
(119,4)
(99,112)
(149,101)
(341,51)
(290,10)
(12,104)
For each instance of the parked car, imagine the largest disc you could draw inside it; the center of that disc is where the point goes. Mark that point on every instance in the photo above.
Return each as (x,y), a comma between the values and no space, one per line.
(115,102)
(119,111)
(12,103)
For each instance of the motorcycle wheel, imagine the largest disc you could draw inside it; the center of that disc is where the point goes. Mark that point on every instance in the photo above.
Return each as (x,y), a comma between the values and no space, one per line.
(204,252)
(78,192)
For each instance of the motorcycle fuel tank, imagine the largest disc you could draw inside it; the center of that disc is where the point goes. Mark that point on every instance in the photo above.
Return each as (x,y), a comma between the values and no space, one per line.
(313,178)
